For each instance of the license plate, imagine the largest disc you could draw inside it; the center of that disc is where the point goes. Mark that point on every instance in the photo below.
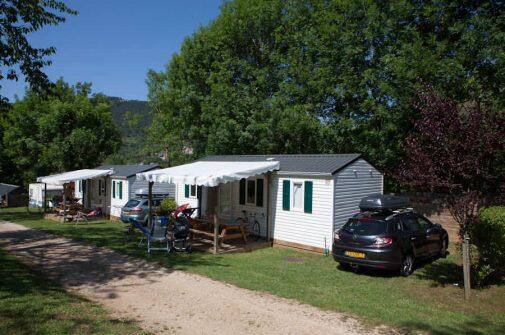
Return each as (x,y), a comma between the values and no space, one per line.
(355,254)
(126,212)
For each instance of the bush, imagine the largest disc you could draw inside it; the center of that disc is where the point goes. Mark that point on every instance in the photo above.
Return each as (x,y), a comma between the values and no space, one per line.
(167,206)
(488,235)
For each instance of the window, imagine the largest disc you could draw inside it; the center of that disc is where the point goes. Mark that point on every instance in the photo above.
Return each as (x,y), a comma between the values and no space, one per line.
(117,189)
(297,195)
(251,192)
(193,191)
(101,187)
(423,223)
(410,223)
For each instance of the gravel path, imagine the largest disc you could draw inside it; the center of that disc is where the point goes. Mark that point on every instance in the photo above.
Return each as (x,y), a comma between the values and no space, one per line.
(163,301)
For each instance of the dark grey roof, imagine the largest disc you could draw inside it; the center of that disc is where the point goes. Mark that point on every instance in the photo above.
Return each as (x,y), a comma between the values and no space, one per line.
(7,188)
(127,171)
(317,163)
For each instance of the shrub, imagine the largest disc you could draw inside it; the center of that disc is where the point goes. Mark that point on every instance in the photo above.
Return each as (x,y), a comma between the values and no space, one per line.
(167,206)
(488,235)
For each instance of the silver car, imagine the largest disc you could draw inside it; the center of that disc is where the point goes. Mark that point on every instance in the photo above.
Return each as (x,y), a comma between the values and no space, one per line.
(137,209)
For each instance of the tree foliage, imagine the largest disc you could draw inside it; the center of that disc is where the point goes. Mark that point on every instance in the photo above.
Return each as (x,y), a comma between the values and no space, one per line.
(456,150)
(305,76)
(64,130)
(18,18)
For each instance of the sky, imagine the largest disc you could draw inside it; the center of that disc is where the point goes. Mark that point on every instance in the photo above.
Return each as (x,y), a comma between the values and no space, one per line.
(113,43)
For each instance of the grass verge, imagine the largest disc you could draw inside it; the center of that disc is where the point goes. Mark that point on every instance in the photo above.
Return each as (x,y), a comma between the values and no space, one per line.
(429,300)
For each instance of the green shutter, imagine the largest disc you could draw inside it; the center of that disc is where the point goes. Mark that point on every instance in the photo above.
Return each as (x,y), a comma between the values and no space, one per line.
(241,195)
(199,192)
(120,190)
(186,190)
(286,184)
(114,189)
(307,201)
(80,185)
(259,192)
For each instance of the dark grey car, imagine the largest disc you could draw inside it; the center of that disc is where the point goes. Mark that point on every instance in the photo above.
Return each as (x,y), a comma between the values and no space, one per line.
(388,238)
(137,209)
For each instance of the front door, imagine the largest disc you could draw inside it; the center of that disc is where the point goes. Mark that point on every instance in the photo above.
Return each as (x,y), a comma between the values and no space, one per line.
(225,200)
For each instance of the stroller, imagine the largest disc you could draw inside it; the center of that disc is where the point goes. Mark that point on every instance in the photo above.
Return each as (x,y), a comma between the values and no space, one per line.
(178,232)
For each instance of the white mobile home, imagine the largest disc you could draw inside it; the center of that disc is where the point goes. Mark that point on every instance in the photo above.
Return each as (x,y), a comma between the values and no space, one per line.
(299,200)
(112,192)
(36,193)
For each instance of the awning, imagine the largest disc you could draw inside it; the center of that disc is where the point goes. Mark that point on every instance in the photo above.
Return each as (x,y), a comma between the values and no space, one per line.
(207,173)
(67,177)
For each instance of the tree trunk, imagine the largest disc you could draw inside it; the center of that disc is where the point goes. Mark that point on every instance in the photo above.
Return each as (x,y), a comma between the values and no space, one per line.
(466,264)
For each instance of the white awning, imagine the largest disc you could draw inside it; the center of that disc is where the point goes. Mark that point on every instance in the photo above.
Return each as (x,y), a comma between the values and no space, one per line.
(67,177)
(210,174)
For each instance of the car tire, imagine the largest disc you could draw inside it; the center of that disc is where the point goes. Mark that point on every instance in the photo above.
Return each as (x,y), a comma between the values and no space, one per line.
(407,266)
(443,248)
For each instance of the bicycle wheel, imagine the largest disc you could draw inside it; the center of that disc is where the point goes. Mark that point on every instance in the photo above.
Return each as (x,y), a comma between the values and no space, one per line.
(255,231)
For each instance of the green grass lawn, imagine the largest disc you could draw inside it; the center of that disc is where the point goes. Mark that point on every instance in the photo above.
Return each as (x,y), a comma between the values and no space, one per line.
(29,304)
(427,300)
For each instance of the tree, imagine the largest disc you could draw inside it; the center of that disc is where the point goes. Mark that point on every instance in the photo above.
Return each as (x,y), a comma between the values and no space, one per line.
(18,18)
(63,130)
(456,150)
(305,76)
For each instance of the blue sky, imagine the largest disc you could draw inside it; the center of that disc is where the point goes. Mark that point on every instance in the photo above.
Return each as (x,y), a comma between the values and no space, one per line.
(113,43)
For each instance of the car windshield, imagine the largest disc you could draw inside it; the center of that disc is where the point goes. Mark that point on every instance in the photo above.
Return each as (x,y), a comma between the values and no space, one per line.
(132,203)
(365,226)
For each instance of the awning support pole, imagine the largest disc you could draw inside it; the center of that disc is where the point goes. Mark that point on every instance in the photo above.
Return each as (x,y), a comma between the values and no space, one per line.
(149,204)
(216,234)
(268,206)
(64,202)
(45,198)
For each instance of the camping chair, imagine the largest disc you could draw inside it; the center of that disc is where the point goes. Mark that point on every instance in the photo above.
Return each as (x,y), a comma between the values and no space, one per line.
(158,233)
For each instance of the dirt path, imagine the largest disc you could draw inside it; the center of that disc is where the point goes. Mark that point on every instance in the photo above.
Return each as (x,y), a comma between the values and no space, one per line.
(163,301)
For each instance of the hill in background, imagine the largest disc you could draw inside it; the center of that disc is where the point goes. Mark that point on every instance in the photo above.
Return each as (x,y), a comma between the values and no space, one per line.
(132,118)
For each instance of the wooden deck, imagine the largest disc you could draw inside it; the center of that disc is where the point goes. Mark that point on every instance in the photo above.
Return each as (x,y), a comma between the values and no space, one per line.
(205,243)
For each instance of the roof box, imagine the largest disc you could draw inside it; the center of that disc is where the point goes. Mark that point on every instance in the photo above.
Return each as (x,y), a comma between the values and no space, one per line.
(380,202)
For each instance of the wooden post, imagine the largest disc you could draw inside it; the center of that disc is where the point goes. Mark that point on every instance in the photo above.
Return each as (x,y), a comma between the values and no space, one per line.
(64,202)
(149,204)
(216,234)
(45,198)
(466,265)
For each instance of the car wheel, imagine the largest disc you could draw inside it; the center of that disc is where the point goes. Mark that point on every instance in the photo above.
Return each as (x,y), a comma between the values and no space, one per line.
(443,249)
(407,265)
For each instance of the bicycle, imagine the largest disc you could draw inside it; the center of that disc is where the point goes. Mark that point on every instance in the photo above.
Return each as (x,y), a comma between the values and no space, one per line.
(251,224)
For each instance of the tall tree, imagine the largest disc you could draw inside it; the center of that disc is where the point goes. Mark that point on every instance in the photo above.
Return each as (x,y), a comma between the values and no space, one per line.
(456,150)
(18,18)
(63,130)
(325,76)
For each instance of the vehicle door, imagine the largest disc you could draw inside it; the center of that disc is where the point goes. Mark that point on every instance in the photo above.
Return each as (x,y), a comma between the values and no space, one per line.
(415,233)
(432,244)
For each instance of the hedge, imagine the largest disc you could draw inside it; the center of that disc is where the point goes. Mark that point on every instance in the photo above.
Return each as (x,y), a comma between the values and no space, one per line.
(488,235)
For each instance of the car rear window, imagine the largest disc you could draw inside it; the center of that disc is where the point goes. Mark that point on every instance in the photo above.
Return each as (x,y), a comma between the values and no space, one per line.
(132,203)
(365,226)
